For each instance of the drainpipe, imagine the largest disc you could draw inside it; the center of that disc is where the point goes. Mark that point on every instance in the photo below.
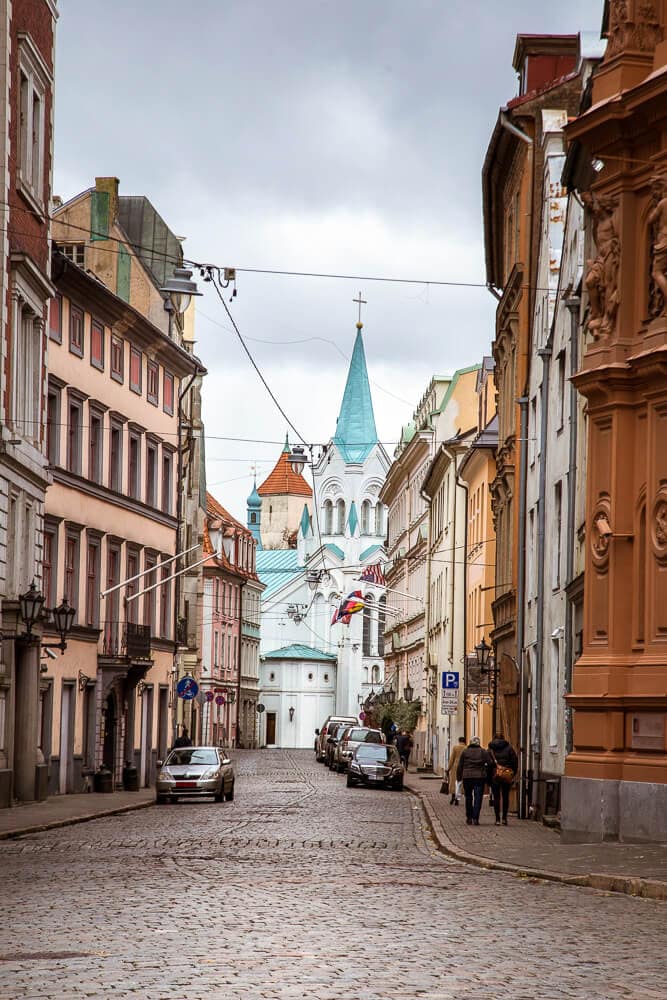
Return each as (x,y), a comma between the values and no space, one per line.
(573,303)
(430,718)
(538,670)
(238,663)
(521,593)
(463,486)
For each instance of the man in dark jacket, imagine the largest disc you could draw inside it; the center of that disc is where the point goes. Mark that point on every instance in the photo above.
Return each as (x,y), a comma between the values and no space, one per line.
(183,740)
(505,755)
(475,769)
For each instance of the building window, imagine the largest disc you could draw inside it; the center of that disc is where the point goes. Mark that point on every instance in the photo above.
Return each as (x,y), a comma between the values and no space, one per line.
(165,602)
(167,481)
(76,252)
(56,319)
(97,345)
(560,402)
(93,583)
(328,517)
(367,623)
(72,541)
(379,520)
(26,371)
(135,370)
(50,564)
(95,446)
(117,358)
(382,603)
(74,433)
(53,425)
(168,393)
(76,331)
(340,517)
(116,458)
(151,474)
(558,497)
(134,465)
(366,517)
(132,586)
(152,382)
(150,596)
(32,121)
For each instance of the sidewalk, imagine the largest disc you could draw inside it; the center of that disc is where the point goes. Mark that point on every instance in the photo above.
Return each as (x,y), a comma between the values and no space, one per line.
(531,849)
(63,810)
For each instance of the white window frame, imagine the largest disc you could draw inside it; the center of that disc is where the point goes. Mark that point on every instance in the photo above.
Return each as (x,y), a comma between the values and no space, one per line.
(35,82)
(27,351)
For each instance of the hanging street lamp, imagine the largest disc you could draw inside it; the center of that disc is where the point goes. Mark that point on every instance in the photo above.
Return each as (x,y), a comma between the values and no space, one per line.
(31,604)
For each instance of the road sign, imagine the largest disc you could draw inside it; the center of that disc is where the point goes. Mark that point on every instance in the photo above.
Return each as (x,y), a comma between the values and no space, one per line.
(450,680)
(219,699)
(449,704)
(362,716)
(187,688)
(260,708)
(209,696)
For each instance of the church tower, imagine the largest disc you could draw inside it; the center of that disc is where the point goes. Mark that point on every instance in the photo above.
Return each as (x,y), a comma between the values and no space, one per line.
(282,494)
(254,514)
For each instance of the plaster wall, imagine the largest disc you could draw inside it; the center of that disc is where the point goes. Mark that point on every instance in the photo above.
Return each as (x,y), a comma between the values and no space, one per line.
(304,685)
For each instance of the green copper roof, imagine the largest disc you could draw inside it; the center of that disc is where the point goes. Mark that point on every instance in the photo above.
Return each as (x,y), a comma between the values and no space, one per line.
(276,567)
(254,500)
(298,652)
(452,385)
(369,552)
(286,447)
(335,549)
(355,428)
(353,520)
(306,526)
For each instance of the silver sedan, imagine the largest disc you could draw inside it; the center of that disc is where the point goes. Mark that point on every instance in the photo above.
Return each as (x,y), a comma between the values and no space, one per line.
(191,772)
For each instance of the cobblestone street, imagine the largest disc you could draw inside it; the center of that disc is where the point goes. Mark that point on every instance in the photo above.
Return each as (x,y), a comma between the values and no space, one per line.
(301,888)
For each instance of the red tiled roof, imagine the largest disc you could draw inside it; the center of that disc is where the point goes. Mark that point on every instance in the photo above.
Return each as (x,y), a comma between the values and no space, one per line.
(284,481)
(215,509)
(539,91)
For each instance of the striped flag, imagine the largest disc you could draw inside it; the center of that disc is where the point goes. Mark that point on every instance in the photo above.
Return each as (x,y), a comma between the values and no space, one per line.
(353,603)
(374,574)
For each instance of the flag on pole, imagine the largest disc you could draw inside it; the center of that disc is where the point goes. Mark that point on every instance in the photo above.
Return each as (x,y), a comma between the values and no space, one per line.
(374,574)
(353,603)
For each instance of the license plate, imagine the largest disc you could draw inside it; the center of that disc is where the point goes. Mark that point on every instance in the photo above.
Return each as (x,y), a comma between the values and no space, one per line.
(186,784)
(375,777)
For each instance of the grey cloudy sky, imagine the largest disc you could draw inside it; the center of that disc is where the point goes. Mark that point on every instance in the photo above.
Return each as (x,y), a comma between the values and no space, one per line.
(306,135)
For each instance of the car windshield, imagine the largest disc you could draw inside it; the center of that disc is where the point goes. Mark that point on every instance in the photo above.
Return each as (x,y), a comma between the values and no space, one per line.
(339,732)
(369,752)
(364,736)
(192,755)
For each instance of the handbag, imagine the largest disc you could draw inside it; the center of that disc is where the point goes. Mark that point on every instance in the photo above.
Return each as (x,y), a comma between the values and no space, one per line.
(444,787)
(503,774)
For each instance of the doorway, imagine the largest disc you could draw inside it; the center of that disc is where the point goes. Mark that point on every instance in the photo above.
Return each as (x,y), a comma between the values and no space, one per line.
(66,739)
(270,728)
(109,745)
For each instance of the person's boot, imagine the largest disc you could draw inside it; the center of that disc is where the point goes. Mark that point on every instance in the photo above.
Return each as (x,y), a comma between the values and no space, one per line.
(452,800)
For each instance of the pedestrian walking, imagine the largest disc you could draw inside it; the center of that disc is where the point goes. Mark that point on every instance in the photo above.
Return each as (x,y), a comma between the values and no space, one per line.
(506,766)
(404,746)
(475,768)
(183,740)
(454,783)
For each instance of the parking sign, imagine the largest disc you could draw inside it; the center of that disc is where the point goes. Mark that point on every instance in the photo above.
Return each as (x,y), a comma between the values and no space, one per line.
(450,680)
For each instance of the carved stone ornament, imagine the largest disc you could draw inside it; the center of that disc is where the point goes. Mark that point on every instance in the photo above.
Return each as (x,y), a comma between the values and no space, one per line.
(659,525)
(657,223)
(600,540)
(634,25)
(602,272)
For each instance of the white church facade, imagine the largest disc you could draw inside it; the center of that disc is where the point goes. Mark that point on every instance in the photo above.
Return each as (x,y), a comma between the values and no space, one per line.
(309,667)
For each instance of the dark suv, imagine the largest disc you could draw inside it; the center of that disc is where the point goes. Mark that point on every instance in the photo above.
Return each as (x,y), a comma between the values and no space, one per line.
(350,739)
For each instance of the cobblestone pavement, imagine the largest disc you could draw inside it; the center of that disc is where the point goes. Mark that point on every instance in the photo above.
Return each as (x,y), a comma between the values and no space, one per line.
(302,888)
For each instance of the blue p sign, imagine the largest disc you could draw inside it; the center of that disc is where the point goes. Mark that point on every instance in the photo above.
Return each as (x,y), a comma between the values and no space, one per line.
(450,680)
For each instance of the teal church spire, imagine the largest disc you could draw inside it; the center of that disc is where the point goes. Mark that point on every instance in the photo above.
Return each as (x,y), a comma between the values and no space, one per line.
(355,428)
(254,505)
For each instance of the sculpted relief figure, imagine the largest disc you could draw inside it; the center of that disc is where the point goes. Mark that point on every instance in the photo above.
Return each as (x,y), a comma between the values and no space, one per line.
(602,275)
(657,220)
(633,25)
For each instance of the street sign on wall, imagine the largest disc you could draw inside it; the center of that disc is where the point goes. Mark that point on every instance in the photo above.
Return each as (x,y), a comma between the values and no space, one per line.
(450,680)
(449,704)
(187,688)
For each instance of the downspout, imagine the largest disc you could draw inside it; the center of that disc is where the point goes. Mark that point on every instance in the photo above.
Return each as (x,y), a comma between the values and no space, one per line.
(573,303)
(464,486)
(536,682)
(179,525)
(238,662)
(430,720)
(520,616)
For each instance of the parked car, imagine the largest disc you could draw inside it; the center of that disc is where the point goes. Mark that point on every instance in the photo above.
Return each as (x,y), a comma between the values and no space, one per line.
(333,737)
(351,738)
(376,765)
(322,733)
(191,772)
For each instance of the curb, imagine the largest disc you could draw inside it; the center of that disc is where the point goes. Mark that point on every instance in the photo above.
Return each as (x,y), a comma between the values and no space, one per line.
(73,820)
(627,885)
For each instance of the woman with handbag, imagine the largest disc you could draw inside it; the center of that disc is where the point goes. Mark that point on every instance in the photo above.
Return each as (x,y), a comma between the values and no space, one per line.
(507,763)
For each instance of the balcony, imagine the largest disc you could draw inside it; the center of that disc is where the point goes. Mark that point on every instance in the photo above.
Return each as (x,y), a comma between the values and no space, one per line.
(125,641)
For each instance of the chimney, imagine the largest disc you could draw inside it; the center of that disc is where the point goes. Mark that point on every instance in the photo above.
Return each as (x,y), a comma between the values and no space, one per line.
(109,186)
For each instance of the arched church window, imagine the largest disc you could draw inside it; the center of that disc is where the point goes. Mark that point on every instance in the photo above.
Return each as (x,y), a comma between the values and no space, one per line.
(376,674)
(368,617)
(382,603)
(366,517)
(253,518)
(379,519)
(340,517)
(328,517)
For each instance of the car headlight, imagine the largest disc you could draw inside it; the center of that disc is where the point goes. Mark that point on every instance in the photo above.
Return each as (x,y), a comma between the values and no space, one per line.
(165,776)
(211,772)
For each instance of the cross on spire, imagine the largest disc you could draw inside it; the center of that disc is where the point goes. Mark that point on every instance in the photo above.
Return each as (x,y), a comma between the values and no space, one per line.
(360,302)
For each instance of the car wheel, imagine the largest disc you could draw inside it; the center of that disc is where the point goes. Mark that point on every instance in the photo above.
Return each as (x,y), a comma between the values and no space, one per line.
(161,800)
(398,786)
(220,797)
(230,793)
(350,781)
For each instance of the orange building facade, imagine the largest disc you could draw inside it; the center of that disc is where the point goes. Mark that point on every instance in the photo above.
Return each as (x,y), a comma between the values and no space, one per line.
(616,776)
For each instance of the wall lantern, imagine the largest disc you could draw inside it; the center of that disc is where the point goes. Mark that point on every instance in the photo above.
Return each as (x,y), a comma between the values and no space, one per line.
(63,619)
(482,650)
(30,605)
(408,692)
(291,713)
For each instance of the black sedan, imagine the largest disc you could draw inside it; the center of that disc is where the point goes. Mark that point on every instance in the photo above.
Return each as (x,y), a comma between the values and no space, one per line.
(375,765)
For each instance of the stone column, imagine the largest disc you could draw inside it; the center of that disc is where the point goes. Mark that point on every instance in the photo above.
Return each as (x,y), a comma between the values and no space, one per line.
(26,716)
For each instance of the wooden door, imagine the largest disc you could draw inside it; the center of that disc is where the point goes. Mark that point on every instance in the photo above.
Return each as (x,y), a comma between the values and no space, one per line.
(270,728)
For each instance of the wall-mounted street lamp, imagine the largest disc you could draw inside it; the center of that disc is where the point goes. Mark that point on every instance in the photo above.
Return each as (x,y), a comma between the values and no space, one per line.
(482,651)
(291,713)
(391,695)
(30,607)
(408,692)
(63,618)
